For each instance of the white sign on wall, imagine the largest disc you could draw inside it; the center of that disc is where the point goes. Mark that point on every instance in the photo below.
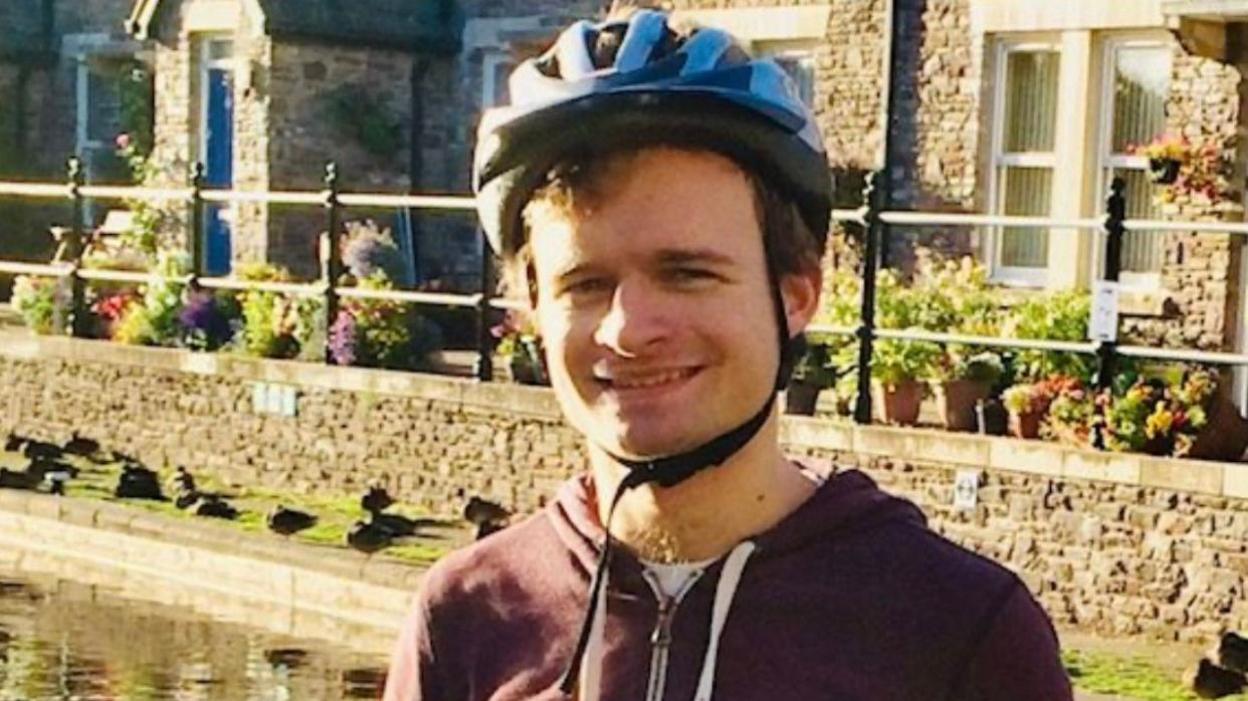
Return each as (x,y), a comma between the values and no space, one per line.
(966,490)
(1103,326)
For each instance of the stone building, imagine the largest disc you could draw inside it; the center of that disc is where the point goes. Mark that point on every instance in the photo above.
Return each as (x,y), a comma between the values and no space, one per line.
(64,66)
(1031,108)
(266,92)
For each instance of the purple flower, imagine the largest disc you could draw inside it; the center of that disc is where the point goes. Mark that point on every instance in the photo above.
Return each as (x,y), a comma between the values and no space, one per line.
(367,251)
(206,325)
(342,339)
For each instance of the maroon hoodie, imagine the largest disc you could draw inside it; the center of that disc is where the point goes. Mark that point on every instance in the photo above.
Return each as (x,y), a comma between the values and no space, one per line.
(850,597)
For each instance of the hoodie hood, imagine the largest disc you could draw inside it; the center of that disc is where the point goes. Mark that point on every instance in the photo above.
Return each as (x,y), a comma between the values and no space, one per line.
(847,502)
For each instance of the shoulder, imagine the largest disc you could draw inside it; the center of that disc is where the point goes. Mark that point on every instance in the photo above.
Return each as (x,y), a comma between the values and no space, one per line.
(501,562)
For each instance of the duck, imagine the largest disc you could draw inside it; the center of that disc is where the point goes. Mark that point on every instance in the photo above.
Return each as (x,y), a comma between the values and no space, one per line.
(376,500)
(56,474)
(1210,681)
(45,466)
(185,499)
(288,521)
(18,479)
(81,445)
(39,449)
(138,482)
(182,480)
(1233,652)
(213,506)
(368,537)
(487,516)
(13,443)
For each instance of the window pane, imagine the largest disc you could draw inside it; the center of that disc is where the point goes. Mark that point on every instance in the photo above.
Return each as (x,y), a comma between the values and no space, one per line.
(1030,100)
(1027,192)
(801,68)
(1141,82)
(1141,250)
(103,105)
(220,49)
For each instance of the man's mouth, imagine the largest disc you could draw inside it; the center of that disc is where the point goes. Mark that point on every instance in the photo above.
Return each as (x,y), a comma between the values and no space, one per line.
(645,380)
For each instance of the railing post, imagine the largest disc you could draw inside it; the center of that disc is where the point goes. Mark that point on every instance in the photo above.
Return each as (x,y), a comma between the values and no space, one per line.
(197,222)
(1106,350)
(485,361)
(333,266)
(873,194)
(78,305)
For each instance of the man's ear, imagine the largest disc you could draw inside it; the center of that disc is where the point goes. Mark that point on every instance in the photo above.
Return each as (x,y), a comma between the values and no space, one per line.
(801,292)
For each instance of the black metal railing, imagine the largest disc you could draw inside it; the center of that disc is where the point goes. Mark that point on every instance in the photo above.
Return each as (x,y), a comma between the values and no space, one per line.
(873,217)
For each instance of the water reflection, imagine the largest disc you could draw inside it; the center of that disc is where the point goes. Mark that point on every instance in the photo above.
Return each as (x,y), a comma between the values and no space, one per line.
(62,640)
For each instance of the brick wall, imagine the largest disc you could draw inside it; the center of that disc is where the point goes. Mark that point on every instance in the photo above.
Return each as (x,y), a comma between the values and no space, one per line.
(1115,543)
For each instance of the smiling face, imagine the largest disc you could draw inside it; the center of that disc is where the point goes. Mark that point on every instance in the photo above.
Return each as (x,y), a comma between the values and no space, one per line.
(654,303)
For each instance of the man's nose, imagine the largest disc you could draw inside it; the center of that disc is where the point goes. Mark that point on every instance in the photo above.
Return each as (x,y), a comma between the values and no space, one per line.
(635,322)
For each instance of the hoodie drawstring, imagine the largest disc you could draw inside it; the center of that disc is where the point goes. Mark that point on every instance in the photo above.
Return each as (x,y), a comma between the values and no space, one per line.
(725,590)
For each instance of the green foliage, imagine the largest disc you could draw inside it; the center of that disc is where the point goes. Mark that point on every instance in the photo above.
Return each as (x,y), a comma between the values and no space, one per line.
(390,334)
(153,321)
(1158,416)
(1057,316)
(896,362)
(270,320)
(360,115)
(37,300)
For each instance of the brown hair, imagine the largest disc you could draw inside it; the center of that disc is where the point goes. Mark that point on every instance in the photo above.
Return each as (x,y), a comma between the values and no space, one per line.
(585,179)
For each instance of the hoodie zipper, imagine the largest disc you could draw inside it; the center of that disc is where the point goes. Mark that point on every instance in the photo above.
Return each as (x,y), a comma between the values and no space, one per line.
(661,636)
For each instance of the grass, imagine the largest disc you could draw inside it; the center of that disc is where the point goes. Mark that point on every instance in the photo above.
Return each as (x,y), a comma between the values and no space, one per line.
(1131,676)
(335,513)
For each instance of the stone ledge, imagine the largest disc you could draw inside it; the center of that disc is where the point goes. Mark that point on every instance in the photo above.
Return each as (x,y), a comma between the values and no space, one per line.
(933,446)
(532,401)
(207,536)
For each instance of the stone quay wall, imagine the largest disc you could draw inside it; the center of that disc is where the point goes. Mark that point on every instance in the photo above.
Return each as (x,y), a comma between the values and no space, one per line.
(1112,543)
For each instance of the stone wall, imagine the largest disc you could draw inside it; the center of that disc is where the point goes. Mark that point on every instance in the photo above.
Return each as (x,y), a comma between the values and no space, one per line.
(1115,543)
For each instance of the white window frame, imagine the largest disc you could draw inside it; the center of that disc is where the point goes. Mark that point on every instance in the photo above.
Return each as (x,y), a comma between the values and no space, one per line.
(491,59)
(1106,162)
(1015,276)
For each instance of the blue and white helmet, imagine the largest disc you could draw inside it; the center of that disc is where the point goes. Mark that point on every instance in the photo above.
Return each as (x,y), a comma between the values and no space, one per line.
(697,89)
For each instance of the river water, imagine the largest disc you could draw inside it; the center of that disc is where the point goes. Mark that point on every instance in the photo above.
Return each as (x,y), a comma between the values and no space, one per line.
(71,641)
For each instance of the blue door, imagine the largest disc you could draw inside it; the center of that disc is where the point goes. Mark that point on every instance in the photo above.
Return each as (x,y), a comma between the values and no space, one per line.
(218,167)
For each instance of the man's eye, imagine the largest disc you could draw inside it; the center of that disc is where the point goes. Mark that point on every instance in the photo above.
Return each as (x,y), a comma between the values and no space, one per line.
(588,285)
(691,274)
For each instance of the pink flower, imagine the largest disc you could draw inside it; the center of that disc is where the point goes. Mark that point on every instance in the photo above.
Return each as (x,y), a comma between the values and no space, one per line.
(122,141)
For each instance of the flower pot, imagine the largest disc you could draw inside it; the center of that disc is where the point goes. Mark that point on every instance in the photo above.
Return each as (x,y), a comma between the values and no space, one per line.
(800,398)
(956,401)
(1225,435)
(1026,424)
(899,404)
(1163,171)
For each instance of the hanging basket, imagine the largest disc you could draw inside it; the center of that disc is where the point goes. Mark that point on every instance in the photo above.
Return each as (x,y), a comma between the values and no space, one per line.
(1164,171)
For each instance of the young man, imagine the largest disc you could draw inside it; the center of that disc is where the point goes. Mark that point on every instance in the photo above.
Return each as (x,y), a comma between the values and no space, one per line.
(664,199)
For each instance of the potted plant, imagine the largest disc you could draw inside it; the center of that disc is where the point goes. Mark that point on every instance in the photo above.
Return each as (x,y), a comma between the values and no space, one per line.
(812,373)
(1183,168)
(518,354)
(964,381)
(900,369)
(1073,413)
(1028,403)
